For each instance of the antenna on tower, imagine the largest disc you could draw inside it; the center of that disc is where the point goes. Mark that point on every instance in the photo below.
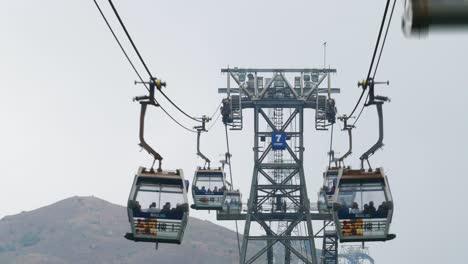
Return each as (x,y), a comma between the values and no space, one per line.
(324,54)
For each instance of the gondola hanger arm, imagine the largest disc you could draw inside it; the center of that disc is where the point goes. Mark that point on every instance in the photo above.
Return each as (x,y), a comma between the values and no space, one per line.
(200,129)
(349,128)
(378,101)
(144,102)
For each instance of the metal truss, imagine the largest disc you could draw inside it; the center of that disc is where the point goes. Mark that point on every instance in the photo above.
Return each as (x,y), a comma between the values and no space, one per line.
(278,193)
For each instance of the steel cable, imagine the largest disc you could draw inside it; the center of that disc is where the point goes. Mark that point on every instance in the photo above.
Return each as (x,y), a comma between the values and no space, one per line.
(214,122)
(144,64)
(378,60)
(373,58)
(134,68)
(385,39)
(228,157)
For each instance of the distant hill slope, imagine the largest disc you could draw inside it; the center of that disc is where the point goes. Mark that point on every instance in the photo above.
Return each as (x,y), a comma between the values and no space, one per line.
(87,230)
(90,230)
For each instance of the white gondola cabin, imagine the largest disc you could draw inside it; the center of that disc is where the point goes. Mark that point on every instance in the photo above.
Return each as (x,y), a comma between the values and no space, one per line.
(330,181)
(158,207)
(363,206)
(208,189)
(322,204)
(232,203)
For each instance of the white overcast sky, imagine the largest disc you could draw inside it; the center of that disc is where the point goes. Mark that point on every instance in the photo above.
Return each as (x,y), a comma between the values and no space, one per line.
(69,127)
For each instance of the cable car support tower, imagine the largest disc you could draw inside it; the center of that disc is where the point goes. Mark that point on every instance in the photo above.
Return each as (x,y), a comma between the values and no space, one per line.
(278,195)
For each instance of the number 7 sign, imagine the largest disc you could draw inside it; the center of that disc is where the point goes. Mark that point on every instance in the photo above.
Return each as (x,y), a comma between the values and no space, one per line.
(278,140)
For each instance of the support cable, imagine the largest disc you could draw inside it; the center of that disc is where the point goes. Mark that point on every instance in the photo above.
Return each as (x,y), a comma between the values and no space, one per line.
(385,39)
(373,57)
(214,121)
(134,68)
(144,64)
(177,122)
(217,109)
(378,60)
(130,38)
(362,109)
(331,153)
(228,158)
(178,108)
(118,41)
(378,40)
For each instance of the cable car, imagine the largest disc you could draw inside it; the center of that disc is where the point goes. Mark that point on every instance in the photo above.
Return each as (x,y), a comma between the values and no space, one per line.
(321,203)
(330,179)
(232,203)
(158,207)
(363,206)
(208,189)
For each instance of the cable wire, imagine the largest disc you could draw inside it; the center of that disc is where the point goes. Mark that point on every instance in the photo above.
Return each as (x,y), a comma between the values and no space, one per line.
(385,39)
(178,108)
(378,40)
(214,122)
(133,66)
(360,112)
(216,110)
(144,64)
(130,38)
(331,156)
(118,41)
(378,60)
(373,56)
(228,157)
(357,104)
(177,122)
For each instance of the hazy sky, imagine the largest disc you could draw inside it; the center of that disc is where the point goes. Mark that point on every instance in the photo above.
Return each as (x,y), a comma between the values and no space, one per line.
(69,127)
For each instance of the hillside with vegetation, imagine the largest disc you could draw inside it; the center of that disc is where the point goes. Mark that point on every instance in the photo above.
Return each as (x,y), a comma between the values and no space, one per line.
(87,230)
(90,230)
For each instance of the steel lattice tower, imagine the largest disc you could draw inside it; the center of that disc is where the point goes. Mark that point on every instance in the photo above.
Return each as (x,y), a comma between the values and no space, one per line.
(278,193)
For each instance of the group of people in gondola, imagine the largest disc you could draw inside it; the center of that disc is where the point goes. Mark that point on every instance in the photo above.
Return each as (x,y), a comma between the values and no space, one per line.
(166,211)
(204,191)
(232,204)
(369,211)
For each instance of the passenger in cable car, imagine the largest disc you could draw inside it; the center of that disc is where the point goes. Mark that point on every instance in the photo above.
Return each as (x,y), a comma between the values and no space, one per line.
(372,210)
(382,211)
(366,209)
(203,190)
(166,209)
(232,204)
(355,209)
(152,208)
(176,212)
(343,212)
(136,207)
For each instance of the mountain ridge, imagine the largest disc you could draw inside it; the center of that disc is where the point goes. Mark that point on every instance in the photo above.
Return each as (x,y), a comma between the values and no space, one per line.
(87,229)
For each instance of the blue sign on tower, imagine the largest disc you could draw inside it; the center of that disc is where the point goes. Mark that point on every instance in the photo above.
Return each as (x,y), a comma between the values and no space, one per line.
(278,140)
